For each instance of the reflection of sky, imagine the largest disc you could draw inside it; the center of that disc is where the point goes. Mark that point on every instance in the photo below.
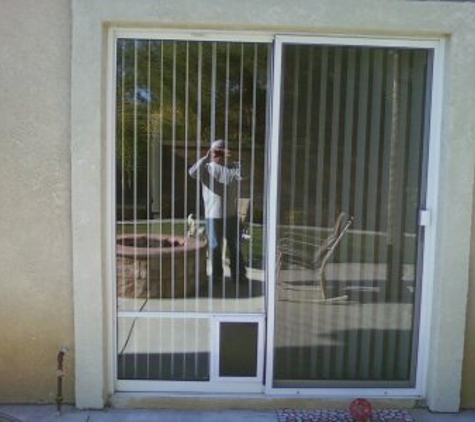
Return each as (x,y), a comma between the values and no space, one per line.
(142,95)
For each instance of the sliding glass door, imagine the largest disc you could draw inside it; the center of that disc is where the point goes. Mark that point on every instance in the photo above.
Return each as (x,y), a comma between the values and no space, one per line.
(267,204)
(352,138)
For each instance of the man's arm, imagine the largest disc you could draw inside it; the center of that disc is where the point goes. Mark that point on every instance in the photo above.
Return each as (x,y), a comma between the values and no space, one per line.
(223,175)
(198,168)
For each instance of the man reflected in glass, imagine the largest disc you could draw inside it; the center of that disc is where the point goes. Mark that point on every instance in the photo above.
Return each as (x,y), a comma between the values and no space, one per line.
(220,188)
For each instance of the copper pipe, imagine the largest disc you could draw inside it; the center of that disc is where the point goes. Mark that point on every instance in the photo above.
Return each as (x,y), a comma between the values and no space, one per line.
(60,375)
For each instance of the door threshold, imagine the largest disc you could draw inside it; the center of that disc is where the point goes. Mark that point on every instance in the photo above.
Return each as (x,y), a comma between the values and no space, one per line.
(258,401)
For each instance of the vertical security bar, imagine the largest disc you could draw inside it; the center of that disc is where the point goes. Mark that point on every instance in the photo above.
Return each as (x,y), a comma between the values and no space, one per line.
(122,147)
(316,359)
(343,352)
(187,327)
(329,360)
(173,200)
(379,349)
(212,138)
(226,138)
(173,175)
(369,245)
(197,205)
(398,250)
(241,90)
(373,187)
(360,343)
(213,92)
(185,170)
(226,94)
(253,163)
(293,181)
(160,332)
(148,208)
(136,268)
(322,107)
(335,135)
(392,204)
(308,137)
(308,232)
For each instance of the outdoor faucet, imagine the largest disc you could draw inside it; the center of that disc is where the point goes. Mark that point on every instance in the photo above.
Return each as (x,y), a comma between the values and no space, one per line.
(60,375)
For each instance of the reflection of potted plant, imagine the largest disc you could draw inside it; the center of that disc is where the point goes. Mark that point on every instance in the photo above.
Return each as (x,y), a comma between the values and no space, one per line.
(159,266)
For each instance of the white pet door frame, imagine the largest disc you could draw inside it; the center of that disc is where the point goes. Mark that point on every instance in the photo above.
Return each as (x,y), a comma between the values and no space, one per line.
(252,352)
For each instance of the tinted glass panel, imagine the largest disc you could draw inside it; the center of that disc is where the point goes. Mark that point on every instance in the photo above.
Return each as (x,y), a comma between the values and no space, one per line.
(166,349)
(238,349)
(352,133)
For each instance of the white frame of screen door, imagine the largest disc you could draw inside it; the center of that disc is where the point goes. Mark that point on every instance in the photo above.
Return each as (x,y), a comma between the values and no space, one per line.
(427,262)
(215,384)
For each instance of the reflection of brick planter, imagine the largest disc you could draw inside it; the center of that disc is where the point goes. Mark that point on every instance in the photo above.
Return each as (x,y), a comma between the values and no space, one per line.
(147,267)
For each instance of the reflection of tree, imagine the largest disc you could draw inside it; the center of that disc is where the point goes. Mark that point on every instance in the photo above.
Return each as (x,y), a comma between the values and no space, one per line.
(173,93)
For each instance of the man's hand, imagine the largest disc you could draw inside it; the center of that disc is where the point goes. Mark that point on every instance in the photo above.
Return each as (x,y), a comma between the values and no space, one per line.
(217,153)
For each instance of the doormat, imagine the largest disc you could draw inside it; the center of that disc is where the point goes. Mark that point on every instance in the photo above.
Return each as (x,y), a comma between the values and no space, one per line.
(378,415)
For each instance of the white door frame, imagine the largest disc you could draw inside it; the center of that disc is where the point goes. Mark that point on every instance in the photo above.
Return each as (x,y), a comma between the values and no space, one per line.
(438,47)
(216,384)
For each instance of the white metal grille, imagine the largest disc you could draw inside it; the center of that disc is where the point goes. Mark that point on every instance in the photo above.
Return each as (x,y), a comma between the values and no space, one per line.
(173,99)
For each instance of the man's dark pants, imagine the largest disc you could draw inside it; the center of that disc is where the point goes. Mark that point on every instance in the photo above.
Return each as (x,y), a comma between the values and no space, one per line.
(229,228)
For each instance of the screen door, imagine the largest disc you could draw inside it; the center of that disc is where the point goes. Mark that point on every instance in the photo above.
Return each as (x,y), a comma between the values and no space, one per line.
(191,130)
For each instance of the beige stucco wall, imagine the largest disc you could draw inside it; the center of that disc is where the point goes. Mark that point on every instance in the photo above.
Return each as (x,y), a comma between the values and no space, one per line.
(36,300)
(448,273)
(36,303)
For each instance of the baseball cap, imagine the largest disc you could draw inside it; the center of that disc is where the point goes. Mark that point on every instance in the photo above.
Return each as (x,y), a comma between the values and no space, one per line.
(218,144)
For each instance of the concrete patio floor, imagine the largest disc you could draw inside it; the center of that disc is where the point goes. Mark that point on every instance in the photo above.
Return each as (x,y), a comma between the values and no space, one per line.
(44,413)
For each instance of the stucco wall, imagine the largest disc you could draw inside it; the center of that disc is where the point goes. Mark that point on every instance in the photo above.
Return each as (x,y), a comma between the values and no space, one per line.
(36,305)
(36,300)
(449,234)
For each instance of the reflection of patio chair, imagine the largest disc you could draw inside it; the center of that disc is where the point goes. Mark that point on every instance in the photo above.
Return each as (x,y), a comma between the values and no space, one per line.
(296,252)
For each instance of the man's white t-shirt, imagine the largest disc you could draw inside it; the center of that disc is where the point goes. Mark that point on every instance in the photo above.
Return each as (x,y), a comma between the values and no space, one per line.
(220,187)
